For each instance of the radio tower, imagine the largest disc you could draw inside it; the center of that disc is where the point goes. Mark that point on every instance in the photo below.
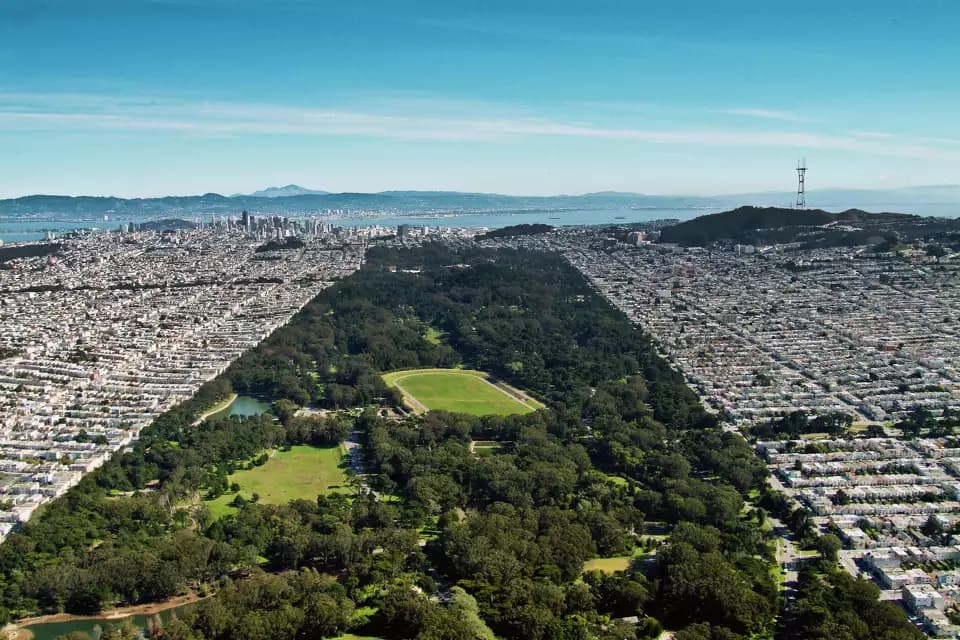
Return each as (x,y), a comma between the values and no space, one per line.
(801,179)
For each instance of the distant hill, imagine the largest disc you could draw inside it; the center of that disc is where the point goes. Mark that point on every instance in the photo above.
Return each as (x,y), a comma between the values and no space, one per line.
(289,190)
(167,224)
(815,227)
(516,230)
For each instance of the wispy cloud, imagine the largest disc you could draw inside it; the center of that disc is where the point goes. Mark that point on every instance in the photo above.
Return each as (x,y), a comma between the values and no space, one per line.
(875,135)
(765,114)
(457,123)
(882,135)
(949,141)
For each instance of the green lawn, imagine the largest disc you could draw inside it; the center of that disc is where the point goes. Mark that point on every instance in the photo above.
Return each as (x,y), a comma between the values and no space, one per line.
(614,563)
(608,565)
(433,336)
(304,472)
(458,390)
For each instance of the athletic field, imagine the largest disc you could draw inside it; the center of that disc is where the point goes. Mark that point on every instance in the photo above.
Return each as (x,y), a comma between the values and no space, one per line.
(460,390)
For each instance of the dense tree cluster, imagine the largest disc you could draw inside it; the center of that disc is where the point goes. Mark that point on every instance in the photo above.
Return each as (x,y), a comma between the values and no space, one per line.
(776,225)
(797,423)
(516,230)
(921,421)
(832,604)
(93,547)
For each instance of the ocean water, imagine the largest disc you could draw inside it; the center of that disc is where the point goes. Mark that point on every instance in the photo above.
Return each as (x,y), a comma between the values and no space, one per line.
(18,230)
(494,220)
(568,217)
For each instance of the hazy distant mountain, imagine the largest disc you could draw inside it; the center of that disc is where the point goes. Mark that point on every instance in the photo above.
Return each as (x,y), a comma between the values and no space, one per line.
(289,190)
(941,200)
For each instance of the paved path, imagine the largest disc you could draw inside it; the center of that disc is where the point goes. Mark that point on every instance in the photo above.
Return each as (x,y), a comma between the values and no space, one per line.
(787,556)
(217,408)
(352,445)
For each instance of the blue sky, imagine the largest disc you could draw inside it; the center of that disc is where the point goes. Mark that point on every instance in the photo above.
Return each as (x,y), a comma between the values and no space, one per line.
(153,97)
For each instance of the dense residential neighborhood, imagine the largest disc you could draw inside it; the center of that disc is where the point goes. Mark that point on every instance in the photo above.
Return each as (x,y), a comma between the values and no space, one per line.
(893,504)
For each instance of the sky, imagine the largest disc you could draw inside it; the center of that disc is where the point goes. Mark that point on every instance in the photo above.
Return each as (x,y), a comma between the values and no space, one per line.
(155,97)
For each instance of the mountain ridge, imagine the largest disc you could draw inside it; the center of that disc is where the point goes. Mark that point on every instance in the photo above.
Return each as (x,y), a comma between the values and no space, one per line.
(284,191)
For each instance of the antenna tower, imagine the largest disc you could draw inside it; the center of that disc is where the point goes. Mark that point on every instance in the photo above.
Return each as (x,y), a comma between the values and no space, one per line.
(801,184)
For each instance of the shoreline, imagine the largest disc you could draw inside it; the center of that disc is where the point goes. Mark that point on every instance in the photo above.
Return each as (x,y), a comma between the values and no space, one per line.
(220,406)
(111,614)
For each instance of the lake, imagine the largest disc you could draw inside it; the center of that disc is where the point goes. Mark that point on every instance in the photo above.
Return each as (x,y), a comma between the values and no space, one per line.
(243,406)
(53,630)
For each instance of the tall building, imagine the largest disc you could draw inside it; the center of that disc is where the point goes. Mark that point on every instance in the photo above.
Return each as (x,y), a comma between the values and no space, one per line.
(245,220)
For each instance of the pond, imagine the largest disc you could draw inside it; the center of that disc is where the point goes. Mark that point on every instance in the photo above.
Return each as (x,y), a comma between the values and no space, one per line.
(53,630)
(243,406)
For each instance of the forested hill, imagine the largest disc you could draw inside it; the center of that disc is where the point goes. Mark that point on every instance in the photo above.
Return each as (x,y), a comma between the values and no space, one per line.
(769,225)
(516,230)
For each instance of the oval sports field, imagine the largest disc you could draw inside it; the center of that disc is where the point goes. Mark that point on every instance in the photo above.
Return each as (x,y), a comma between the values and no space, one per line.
(460,390)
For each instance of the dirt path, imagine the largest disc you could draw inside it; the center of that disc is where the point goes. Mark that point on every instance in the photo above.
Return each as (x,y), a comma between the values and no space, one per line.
(519,396)
(415,405)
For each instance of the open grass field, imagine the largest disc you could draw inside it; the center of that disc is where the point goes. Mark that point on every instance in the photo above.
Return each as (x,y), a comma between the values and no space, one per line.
(304,472)
(614,563)
(608,565)
(460,390)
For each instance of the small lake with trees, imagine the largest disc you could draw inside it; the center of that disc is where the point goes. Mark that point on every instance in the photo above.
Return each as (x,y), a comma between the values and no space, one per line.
(244,406)
(54,630)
